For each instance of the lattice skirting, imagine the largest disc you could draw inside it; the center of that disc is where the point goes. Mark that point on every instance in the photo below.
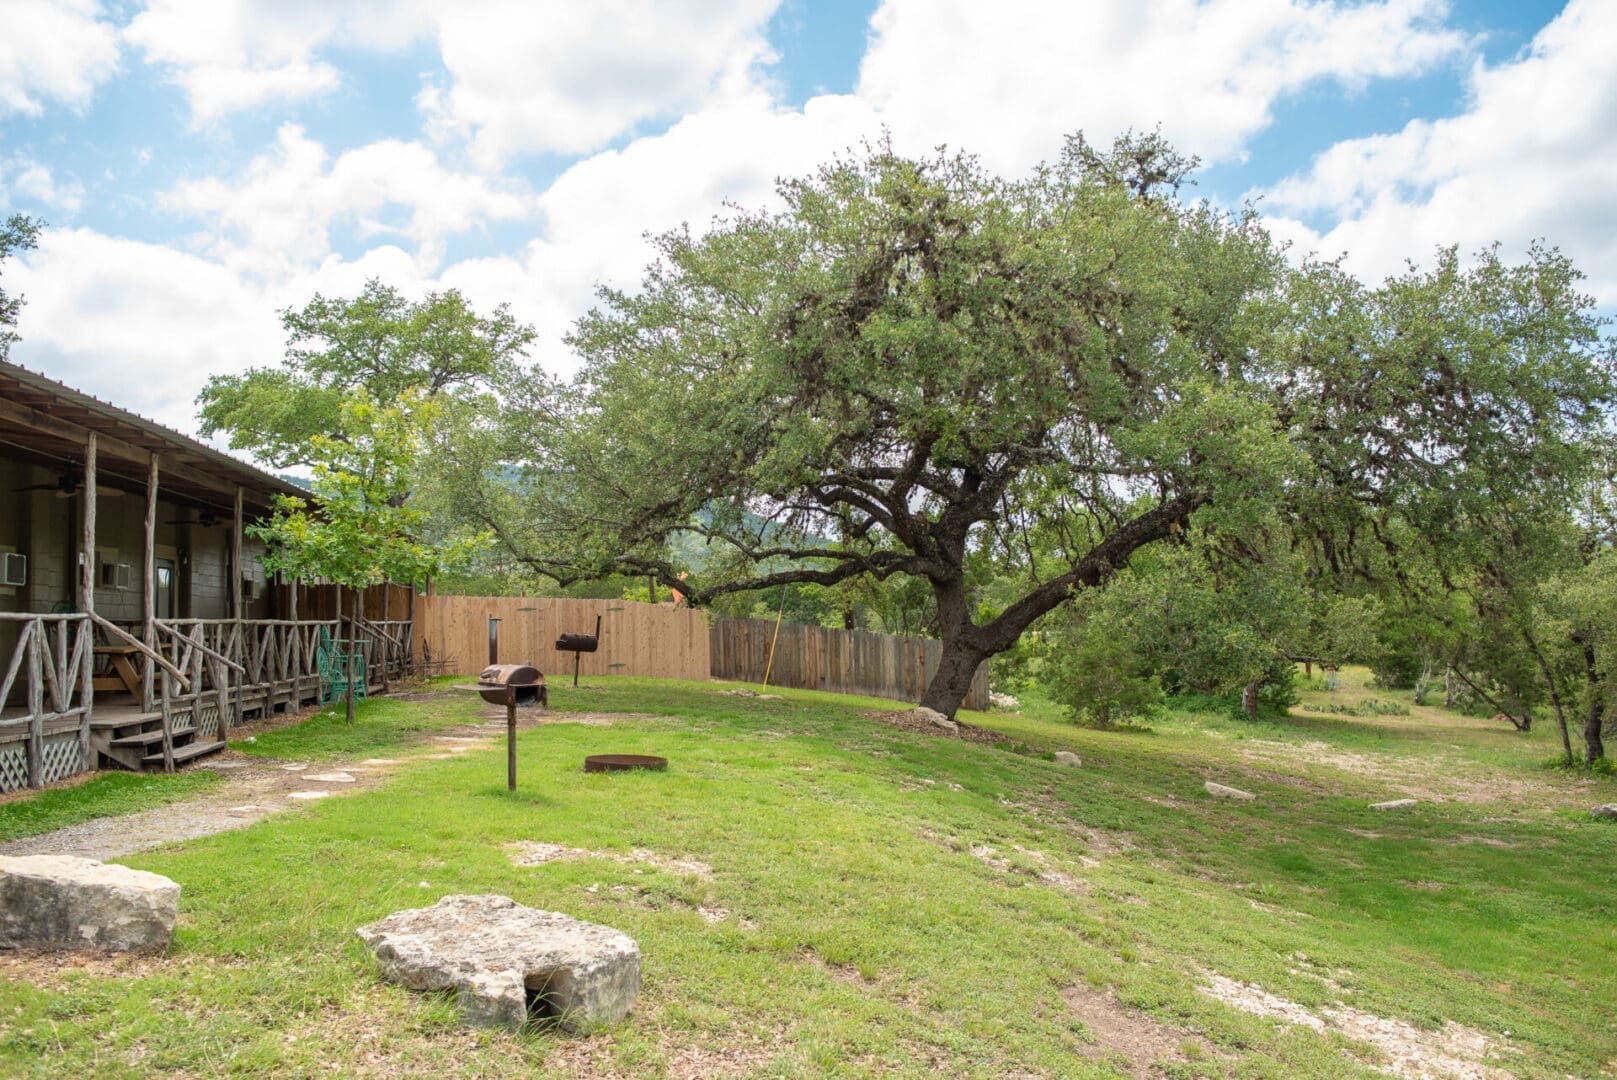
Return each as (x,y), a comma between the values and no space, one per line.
(210,722)
(59,759)
(13,766)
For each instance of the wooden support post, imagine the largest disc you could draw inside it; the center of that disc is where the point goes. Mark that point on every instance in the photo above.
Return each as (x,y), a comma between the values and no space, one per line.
(236,610)
(297,649)
(87,595)
(148,580)
(510,739)
(387,655)
(36,707)
(409,613)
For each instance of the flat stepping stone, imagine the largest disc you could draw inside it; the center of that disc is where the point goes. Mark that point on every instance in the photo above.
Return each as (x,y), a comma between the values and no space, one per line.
(508,963)
(380,761)
(306,795)
(65,902)
(250,808)
(1222,791)
(1396,804)
(330,777)
(295,766)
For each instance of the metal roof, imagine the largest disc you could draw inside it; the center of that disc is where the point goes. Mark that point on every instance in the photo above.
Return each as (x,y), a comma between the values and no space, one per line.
(41,419)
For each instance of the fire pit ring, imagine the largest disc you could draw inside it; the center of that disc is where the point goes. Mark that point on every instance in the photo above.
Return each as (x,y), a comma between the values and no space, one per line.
(624,763)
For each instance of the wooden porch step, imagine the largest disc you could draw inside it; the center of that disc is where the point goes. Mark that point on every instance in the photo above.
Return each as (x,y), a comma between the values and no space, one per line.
(183,753)
(145,738)
(110,719)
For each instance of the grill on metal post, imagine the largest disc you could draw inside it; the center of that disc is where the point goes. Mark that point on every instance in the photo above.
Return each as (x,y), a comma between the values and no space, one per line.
(514,686)
(578,644)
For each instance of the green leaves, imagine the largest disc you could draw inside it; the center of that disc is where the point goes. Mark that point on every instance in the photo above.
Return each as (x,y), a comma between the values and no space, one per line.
(361,530)
(393,350)
(18,233)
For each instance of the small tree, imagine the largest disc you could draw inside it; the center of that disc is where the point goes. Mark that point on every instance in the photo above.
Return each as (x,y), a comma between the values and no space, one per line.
(18,233)
(360,532)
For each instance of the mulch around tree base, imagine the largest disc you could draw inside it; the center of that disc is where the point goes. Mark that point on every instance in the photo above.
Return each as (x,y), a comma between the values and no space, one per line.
(906,719)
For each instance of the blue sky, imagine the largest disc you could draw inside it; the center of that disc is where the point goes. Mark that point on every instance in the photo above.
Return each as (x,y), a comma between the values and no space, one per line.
(205,163)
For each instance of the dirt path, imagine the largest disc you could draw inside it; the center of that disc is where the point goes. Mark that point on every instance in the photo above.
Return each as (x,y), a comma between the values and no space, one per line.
(256,787)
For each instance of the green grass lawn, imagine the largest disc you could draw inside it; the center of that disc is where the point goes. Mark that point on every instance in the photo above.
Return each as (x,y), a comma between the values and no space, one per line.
(890,903)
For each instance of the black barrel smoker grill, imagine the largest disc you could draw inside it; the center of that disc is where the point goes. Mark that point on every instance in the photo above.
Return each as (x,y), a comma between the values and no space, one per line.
(578,644)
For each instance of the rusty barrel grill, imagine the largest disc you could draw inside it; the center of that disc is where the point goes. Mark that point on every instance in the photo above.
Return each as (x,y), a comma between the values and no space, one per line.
(578,644)
(514,686)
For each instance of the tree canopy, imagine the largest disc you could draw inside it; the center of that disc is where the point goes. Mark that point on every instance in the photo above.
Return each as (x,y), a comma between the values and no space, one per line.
(915,367)
(18,233)
(393,350)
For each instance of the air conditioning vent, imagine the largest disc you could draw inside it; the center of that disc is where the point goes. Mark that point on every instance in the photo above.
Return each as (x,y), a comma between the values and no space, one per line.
(120,575)
(13,568)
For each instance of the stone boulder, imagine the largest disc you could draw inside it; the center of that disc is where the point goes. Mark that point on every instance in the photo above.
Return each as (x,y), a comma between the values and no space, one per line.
(1607,812)
(1067,757)
(1220,791)
(507,963)
(65,902)
(936,719)
(1396,804)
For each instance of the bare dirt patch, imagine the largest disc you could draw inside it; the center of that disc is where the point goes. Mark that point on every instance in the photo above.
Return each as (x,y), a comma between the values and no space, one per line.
(1454,1052)
(907,720)
(253,789)
(536,853)
(1138,1045)
(1428,780)
(53,970)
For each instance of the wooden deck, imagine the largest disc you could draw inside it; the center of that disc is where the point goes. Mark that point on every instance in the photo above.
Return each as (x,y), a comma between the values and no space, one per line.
(204,678)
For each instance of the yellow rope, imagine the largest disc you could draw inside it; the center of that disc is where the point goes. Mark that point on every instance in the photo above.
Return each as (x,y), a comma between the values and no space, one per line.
(769,667)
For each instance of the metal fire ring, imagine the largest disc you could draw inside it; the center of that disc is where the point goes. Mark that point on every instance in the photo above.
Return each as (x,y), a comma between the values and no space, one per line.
(624,763)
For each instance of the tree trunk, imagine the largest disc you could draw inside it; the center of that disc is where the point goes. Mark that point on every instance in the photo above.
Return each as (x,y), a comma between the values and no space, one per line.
(1249,698)
(951,683)
(1423,683)
(1448,687)
(1594,744)
(353,642)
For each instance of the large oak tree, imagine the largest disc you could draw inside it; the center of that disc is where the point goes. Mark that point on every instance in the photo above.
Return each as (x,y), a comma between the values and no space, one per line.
(915,366)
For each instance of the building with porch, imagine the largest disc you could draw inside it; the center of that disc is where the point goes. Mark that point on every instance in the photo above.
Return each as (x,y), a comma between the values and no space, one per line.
(136,623)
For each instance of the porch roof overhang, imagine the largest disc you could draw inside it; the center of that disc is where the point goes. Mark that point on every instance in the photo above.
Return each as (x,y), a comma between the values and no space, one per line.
(47,423)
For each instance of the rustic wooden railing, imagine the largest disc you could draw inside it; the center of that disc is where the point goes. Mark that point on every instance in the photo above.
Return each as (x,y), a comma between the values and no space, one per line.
(51,662)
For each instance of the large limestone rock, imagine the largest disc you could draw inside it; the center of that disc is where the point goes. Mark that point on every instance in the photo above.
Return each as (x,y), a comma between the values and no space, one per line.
(1067,757)
(1396,804)
(65,902)
(936,719)
(1608,811)
(506,961)
(1222,791)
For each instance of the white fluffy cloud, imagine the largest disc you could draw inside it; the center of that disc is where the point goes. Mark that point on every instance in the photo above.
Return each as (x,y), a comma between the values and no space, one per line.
(276,218)
(521,75)
(53,51)
(33,180)
(562,76)
(1006,80)
(1534,155)
(139,324)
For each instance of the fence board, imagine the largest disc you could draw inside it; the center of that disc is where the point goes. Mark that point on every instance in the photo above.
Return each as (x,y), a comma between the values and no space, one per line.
(840,661)
(636,639)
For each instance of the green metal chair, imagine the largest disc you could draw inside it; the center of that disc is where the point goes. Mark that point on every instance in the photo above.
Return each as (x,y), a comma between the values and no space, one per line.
(339,667)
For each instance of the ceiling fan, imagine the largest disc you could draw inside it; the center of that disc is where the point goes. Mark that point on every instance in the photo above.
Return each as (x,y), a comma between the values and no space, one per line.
(207,519)
(68,485)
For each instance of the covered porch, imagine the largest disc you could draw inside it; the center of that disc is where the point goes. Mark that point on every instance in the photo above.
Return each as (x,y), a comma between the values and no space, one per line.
(137,628)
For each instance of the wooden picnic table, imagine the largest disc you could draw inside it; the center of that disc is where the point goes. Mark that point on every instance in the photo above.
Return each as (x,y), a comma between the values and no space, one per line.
(115,670)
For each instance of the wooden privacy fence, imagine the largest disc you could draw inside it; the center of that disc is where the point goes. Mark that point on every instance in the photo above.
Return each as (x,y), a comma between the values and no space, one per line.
(451,636)
(841,661)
